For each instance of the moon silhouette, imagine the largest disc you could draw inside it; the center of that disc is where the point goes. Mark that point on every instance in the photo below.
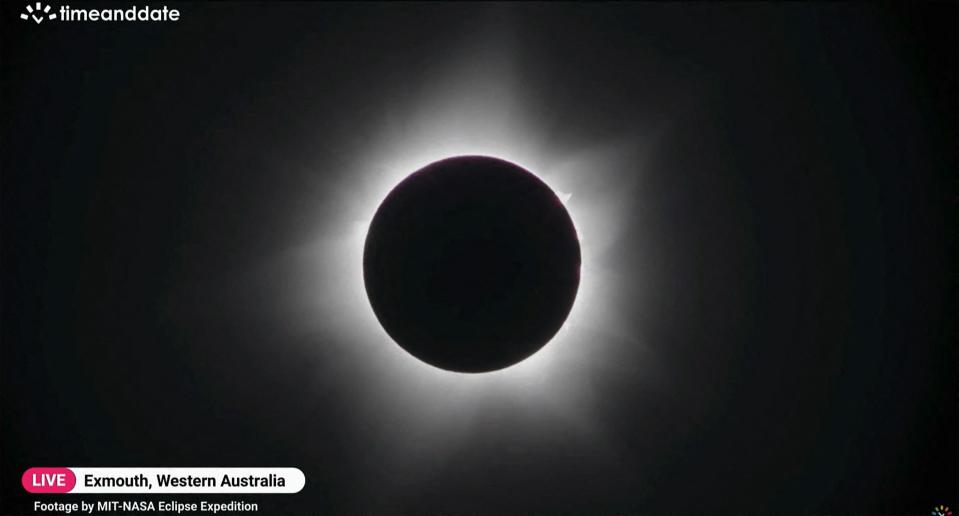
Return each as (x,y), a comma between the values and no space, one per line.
(471,264)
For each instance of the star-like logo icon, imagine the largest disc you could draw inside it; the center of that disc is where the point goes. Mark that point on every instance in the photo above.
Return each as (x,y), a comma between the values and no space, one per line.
(941,510)
(37,12)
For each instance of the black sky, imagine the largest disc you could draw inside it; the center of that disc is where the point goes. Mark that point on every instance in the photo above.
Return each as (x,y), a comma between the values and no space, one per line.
(793,232)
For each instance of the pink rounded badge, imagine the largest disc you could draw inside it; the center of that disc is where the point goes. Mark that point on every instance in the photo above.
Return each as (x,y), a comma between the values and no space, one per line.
(48,480)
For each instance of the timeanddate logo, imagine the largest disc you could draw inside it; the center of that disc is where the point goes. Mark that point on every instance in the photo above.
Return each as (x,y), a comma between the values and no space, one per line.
(941,510)
(39,12)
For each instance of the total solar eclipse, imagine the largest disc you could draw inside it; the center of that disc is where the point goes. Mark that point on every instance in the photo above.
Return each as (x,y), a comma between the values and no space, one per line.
(471,264)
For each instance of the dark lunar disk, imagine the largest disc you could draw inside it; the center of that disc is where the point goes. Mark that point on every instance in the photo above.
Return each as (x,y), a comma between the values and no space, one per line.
(471,264)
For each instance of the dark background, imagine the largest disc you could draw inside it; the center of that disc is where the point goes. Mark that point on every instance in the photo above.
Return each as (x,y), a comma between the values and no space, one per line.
(796,230)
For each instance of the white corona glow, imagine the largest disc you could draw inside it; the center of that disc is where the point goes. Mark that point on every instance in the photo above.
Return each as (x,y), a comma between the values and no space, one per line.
(398,164)
(413,409)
